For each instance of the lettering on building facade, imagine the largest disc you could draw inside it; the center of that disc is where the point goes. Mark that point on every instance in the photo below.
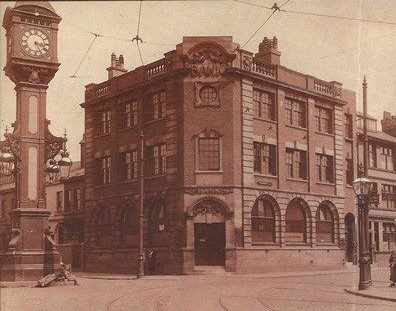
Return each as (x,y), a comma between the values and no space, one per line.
(208,190)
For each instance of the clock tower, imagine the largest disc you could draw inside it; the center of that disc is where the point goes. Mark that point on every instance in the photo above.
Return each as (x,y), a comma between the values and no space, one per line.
(31,32)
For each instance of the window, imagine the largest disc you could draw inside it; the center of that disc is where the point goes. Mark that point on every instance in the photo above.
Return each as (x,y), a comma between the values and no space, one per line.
(130,114)
(264,158)
(59,201)
(104,122)
(296,163)
(324,225)
(263,221)
(296,232)
(208,154)
(323,118)
(386,158)
(389,235)
(208,94)
(159,105)
(103,170)
(388,193)
(77,199)
(295,112)
(348,125)
(128,165)
(68,200)
(372,155)
(349,170)
(156,159)
(324,168)
(264,105)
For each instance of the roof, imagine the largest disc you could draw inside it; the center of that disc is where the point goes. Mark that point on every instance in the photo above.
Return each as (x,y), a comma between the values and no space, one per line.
(359,114)
(43,4)
(382,136)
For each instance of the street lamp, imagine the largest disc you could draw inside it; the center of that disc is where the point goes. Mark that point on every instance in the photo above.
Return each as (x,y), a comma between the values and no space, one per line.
(366,196)
(7,163)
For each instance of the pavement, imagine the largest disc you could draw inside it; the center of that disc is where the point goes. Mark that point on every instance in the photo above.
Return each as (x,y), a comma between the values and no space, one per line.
(306,290)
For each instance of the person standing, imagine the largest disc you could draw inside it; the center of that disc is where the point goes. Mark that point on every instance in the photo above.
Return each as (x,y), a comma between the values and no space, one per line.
(392,265)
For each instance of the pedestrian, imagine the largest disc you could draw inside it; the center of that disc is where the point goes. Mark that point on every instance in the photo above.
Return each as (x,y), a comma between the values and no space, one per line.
(392,265)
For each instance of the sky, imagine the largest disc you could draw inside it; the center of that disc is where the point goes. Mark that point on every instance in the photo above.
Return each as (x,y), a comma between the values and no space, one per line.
(328,48)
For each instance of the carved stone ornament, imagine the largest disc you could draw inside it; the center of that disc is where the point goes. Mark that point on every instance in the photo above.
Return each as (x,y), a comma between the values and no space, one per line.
(208,190)
(208,207)
(207,60)
(34,76)
(246,63)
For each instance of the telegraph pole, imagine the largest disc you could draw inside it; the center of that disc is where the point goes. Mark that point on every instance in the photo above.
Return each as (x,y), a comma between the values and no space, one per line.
(140,271)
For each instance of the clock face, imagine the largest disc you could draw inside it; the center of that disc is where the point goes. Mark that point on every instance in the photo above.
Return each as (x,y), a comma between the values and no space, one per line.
(35,42)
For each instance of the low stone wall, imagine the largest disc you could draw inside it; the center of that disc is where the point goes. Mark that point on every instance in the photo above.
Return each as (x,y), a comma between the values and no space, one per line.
(252,260)
(167,261)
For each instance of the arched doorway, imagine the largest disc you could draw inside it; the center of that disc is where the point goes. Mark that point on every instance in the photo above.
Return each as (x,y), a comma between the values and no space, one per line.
(209,233)
(350,238)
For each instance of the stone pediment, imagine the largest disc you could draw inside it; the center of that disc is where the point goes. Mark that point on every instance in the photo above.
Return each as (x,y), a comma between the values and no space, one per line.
(207,60)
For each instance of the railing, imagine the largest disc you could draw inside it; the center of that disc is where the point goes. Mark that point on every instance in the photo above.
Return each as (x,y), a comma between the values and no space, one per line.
(323,87)
(263,68)
(156,69)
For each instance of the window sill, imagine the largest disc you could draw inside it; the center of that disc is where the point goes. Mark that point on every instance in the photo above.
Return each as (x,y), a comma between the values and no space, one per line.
(382,169)
(125,129)
(264,175)
(296,127)
(324,133)
(208,172)
(350,139)
(266,120)
(297,179)
(155,120)
(102,186)
(102,135)
(154,176)
(325,183)
(264,244)
(127,181)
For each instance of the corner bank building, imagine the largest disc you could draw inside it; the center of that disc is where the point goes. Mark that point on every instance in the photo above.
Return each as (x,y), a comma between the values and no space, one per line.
(247,164)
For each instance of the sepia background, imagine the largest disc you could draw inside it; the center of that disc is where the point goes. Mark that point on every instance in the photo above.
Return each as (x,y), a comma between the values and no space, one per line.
(329,48)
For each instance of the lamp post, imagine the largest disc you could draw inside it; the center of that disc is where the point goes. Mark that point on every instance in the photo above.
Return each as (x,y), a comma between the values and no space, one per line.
(362,187)
(140,271)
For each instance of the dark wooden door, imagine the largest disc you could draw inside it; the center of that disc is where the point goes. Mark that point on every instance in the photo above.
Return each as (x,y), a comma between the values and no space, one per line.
(209,241)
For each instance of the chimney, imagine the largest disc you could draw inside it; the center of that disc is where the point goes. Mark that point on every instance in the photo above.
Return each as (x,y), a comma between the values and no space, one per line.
(268,51)
(82,151)
(388,123)
(116,66)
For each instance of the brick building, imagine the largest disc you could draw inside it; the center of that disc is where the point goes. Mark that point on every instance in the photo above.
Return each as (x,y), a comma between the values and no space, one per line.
(382,172)
(247,164)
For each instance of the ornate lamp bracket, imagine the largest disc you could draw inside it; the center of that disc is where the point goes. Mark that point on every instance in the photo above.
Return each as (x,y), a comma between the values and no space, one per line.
(53,144)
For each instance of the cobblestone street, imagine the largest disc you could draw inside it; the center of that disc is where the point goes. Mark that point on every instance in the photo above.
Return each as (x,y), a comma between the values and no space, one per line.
(216,292)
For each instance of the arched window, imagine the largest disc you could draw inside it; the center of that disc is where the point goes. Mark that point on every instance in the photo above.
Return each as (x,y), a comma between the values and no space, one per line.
(130,220)
(324,225)
(263,221)
(157,218)
(104,225)
(296,228)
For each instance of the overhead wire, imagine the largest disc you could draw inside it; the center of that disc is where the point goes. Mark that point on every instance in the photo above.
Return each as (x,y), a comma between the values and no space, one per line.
(274,9)
(85,55)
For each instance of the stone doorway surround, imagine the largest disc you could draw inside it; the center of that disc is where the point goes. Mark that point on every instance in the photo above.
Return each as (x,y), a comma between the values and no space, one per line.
(209,210)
